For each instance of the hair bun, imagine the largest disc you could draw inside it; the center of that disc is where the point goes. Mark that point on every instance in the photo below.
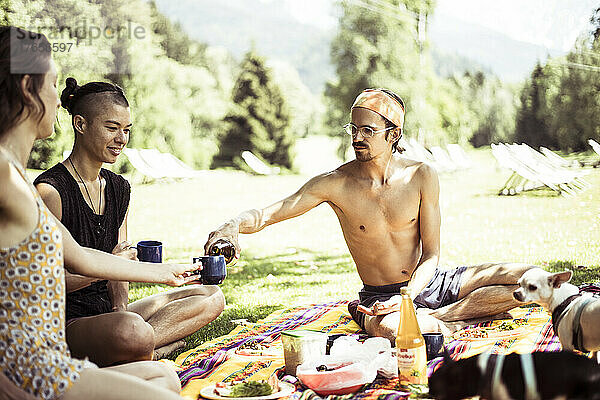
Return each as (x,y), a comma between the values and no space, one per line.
(66,98)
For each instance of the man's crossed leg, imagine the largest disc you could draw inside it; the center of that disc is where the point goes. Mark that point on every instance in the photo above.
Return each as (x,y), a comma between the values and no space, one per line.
(151,327)
(485,293)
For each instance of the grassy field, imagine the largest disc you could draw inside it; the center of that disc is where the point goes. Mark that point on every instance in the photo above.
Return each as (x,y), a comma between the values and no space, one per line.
(305,259)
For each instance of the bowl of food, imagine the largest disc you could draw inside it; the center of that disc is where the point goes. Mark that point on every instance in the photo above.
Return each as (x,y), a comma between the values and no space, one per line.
(248,390)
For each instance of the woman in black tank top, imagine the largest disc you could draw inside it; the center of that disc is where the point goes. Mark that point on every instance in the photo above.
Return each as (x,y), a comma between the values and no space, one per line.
(89,200)
(92,203)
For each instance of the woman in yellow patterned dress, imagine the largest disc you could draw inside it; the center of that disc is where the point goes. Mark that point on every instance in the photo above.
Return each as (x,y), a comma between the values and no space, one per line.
(35,247)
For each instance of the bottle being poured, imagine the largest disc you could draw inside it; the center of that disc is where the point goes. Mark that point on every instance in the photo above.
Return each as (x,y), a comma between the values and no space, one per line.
(410,345)
(223,248)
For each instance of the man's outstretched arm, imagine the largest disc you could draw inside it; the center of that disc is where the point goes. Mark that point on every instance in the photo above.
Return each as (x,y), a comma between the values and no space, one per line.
(429,227)
(313,193)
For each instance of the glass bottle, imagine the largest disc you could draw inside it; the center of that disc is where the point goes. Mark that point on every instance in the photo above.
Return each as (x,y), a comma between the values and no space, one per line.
(223,248)
(410,345)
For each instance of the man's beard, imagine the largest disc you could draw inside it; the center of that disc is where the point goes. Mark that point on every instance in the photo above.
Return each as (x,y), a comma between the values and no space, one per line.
(363,154)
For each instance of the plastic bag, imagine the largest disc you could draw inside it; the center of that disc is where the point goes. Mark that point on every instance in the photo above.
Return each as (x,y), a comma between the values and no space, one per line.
(373,349)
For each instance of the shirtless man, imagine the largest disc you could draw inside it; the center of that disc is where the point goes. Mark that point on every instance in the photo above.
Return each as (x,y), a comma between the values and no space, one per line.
(388,209)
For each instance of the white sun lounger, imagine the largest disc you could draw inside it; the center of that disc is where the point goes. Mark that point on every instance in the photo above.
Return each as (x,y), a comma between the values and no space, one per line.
(257,165)
(532,170)
(156,165)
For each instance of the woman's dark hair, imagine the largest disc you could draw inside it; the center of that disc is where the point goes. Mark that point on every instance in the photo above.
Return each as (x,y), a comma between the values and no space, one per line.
(21,53)
(82,100)
(389,124)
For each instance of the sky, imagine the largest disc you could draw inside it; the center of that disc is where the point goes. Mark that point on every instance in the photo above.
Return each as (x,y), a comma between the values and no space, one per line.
(313,12)
(554,24)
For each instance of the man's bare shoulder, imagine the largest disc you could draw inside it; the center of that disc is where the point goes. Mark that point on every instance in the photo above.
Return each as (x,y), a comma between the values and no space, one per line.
(51,198)
(326,183)
(427,172)
(426,177)
(340,173)
(347,169)
(421,170)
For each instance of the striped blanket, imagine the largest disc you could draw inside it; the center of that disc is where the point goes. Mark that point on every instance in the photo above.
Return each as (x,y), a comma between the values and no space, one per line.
(217,360)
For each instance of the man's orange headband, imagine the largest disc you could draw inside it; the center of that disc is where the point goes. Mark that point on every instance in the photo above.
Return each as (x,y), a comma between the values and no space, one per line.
(383,104)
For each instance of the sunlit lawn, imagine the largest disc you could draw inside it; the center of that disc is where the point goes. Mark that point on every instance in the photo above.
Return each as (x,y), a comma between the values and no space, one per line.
(305,259)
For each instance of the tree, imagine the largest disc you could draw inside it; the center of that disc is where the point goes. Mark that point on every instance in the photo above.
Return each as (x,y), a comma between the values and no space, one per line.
(54,20)
(306,108)
(177,102)
(379,48)
(259,119)
(595,20)
(561,101)
(576,109)
(174,41)
(532,125)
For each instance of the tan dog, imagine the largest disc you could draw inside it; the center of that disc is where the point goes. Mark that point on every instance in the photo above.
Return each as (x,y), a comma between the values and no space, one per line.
(575,316)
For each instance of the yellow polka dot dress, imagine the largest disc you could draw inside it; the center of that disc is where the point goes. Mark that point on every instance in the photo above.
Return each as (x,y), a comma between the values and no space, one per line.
(33,350)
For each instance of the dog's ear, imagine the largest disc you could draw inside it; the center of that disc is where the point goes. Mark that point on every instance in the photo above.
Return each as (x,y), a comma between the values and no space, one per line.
(557,279)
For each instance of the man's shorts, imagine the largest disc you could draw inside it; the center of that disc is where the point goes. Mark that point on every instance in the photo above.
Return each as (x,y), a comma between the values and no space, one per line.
(441,290)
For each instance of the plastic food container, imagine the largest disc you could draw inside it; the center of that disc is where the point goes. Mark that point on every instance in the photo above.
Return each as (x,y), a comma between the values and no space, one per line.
(300,346)
(332,375)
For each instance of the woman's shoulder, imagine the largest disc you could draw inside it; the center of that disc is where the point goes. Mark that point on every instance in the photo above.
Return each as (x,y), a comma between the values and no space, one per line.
(4,171)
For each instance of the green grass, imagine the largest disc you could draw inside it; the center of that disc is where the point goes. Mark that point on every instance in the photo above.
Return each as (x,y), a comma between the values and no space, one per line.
(305,259)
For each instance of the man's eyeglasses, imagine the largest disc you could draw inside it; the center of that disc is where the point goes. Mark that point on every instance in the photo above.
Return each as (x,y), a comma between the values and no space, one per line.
(365,131)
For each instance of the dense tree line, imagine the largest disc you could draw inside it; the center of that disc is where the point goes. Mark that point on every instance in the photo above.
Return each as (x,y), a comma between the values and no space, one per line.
(379,47)
(386,46)
(560,102)
(200,104)
(178,88)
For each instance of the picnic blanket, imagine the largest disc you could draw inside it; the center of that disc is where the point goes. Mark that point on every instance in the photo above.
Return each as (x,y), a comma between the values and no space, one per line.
(217,360)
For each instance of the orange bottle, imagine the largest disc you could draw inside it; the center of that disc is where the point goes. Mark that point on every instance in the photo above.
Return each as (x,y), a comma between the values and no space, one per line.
(410,345)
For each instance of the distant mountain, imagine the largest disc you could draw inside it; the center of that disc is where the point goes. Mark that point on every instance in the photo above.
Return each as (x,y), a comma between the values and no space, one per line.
(510,59)
(238,25)
(447,64)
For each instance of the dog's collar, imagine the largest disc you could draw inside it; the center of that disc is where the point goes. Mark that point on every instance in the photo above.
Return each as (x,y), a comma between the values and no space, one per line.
(577,332)
(559,311)
(491,369)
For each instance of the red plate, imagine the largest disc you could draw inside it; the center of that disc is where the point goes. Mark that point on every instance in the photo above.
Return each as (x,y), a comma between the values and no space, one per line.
(347,390)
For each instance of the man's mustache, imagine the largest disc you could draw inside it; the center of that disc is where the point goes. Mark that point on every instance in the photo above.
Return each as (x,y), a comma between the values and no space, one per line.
(359,144)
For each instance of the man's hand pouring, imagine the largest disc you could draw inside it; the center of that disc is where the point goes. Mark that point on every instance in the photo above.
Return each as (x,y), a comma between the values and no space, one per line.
(229,232)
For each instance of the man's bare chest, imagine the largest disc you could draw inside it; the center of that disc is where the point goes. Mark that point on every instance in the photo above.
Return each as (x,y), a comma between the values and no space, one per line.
(391,208)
